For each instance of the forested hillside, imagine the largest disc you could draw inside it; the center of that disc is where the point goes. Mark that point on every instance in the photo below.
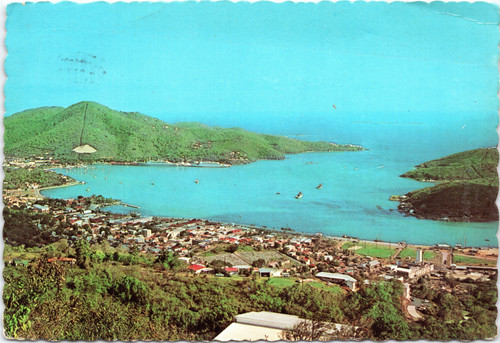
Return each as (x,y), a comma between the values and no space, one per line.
(124,136)
(17,178)
(467,165)
(467,190)
(114,295)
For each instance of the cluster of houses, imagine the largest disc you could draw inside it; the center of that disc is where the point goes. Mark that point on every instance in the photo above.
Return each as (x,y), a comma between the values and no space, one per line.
(39,161)
(295,254)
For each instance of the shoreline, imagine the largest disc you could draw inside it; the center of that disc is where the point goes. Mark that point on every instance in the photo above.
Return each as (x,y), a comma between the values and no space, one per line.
(75,183)
(250,226)
(72,183)
(348,147)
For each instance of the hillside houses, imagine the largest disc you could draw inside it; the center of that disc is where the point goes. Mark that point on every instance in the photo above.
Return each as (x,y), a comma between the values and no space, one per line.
(244,250)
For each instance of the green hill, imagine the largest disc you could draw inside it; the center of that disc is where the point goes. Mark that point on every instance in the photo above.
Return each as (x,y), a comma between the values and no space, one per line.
(467,190)
(467,165)
(125,136)
(20,178)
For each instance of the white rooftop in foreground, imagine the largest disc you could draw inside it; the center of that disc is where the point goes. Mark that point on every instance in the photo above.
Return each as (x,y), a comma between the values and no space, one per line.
(265,326)
(269,319)
(258,326)
(245,332)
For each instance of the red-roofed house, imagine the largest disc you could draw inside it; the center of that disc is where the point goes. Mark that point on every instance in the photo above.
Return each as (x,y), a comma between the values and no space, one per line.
(231,270)
(198,269)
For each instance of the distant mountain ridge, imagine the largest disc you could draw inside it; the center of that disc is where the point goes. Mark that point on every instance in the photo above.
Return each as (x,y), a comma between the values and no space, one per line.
(131,136)
(467,190)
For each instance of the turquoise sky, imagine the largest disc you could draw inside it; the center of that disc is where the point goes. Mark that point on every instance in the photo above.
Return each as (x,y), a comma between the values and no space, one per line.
(191,61)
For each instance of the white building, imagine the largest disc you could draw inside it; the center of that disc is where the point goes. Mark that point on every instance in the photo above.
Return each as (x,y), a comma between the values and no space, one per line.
(258,326)
(264,326)
(420,256)
(349,281)
(413,272)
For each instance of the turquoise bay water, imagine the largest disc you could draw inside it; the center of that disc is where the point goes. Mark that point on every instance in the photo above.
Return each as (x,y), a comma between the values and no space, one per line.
(353,200)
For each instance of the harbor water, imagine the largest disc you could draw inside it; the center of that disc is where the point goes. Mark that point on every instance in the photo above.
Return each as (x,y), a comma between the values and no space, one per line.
(353,199)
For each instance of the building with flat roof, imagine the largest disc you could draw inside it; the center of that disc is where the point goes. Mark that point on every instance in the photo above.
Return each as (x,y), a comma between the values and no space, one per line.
(269,272)
(413,271)
(349,281)
(258,326)
(267,326)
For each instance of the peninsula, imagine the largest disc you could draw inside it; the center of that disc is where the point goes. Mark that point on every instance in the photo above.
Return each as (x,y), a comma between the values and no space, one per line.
(90,132)
(466,191)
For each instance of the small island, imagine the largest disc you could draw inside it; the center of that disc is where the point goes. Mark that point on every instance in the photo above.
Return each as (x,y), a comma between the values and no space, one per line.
(466,189)
(89,132)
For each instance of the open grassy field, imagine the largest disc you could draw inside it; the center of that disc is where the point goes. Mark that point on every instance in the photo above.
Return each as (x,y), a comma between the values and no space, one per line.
(335,289)
(410,252)
(279,281)
(246,248)
(247,256)
(469,260)
(290,281)
(370,249)
(385,251)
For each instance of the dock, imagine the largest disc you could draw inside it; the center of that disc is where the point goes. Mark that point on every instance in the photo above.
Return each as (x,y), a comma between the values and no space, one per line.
(128,205)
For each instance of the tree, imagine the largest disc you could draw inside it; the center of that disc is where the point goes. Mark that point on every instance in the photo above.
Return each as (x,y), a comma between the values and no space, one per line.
(388,323)
(40,282)
(232,248)
(306,330)
(169,260)
(130,289)
(82,249)
(259,263)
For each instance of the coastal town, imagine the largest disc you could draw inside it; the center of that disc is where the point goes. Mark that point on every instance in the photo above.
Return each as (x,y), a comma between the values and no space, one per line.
(212,249)
(221,171)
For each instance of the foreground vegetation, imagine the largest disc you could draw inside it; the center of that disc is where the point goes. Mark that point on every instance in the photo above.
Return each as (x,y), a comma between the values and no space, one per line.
(123,136)
(110,294)
(467,190)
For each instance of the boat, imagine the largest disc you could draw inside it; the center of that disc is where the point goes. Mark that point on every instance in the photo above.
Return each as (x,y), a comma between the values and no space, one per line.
(319,186)
(196,181)
(298,196)
(155,163)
